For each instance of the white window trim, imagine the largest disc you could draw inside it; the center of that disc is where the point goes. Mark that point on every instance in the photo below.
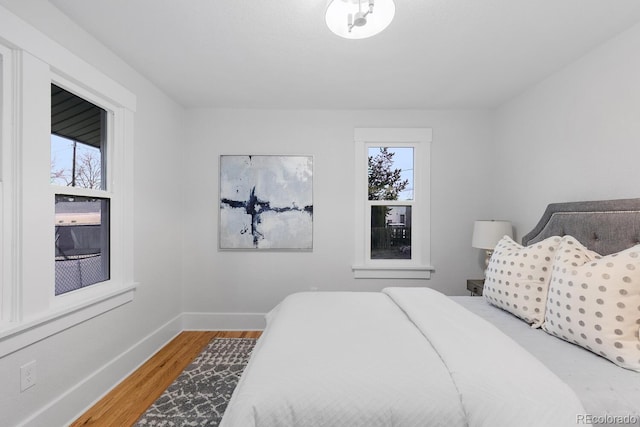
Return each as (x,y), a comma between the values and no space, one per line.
(7,208)
(27,314)
(419,267)
(111,193)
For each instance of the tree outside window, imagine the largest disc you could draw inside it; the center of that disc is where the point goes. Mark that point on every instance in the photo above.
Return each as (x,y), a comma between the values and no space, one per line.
(390,178)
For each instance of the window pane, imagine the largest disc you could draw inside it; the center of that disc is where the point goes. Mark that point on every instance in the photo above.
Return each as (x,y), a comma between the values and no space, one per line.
(77,141)
(390,172)
(390,232)
(81,242)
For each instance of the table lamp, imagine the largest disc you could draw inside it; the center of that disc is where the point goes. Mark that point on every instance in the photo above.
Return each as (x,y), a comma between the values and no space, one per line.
(487,234)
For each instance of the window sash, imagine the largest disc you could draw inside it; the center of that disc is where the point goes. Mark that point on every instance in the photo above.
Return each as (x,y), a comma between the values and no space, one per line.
(414,203)
(105,192)
(82,249)
(86,114)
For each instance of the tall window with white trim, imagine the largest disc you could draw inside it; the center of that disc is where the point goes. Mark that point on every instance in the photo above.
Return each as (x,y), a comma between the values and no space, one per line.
(66,190)
(392,203)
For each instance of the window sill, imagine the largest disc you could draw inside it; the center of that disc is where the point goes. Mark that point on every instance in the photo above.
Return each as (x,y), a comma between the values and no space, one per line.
(17,335)
(392,272)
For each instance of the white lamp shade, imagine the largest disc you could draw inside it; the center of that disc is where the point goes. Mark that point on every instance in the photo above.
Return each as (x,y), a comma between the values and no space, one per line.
(338,22)
(487,234)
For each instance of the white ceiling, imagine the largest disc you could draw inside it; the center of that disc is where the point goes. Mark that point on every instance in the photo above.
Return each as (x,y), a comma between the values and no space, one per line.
(279,53)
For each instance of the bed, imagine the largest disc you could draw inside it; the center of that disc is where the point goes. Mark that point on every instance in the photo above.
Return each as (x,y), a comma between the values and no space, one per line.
(536,350)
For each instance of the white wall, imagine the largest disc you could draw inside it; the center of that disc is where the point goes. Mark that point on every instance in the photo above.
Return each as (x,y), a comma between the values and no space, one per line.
(575,136)
(77,365)
(250,282)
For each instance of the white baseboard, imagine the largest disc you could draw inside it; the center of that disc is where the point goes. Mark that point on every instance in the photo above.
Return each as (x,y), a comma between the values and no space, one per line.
(82,395)
(223,321)
(56,412)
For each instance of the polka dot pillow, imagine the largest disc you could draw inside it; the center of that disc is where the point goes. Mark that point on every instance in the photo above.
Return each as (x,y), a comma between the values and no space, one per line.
(517,277)
(594,301)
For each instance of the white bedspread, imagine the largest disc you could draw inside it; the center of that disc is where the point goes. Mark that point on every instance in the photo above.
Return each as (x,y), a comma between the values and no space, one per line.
(403,357)
(610,394)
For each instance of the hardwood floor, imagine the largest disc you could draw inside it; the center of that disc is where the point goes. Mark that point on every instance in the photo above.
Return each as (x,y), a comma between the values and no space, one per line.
(123,405)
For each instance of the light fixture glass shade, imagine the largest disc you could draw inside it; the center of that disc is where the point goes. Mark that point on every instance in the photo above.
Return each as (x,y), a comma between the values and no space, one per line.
(338,12)
(487,234)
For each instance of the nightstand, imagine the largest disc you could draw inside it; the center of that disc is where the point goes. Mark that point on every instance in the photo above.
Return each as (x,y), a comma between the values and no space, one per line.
(475,286)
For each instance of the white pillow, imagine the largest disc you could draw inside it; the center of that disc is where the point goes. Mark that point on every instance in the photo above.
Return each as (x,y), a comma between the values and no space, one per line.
(517,278)
(594,301)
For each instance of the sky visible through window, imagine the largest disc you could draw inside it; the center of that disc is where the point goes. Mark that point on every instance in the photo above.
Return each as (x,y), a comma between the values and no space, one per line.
(403,160)
(62,158)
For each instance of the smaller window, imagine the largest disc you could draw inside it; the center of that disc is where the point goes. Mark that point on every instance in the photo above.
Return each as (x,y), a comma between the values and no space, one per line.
(392,213)
(390,179)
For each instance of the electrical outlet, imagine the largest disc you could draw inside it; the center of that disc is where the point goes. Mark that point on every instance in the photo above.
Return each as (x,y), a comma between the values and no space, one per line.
(27,375)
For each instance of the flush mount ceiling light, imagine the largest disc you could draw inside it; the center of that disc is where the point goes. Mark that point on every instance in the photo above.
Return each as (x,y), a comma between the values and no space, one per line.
(359,19)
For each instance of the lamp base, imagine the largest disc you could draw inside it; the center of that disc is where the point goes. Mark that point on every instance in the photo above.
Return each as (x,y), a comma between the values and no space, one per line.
(488,253)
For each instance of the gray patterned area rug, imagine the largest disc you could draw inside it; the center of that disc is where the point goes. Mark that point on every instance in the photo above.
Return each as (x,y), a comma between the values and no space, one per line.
(200,394)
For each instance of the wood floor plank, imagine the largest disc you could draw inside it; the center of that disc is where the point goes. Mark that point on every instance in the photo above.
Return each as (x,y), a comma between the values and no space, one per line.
(123,405)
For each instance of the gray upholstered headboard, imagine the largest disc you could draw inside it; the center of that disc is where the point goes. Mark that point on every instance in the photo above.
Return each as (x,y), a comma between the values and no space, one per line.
(605,226)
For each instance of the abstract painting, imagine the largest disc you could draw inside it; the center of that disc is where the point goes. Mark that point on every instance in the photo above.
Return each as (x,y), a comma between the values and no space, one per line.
(266,202)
